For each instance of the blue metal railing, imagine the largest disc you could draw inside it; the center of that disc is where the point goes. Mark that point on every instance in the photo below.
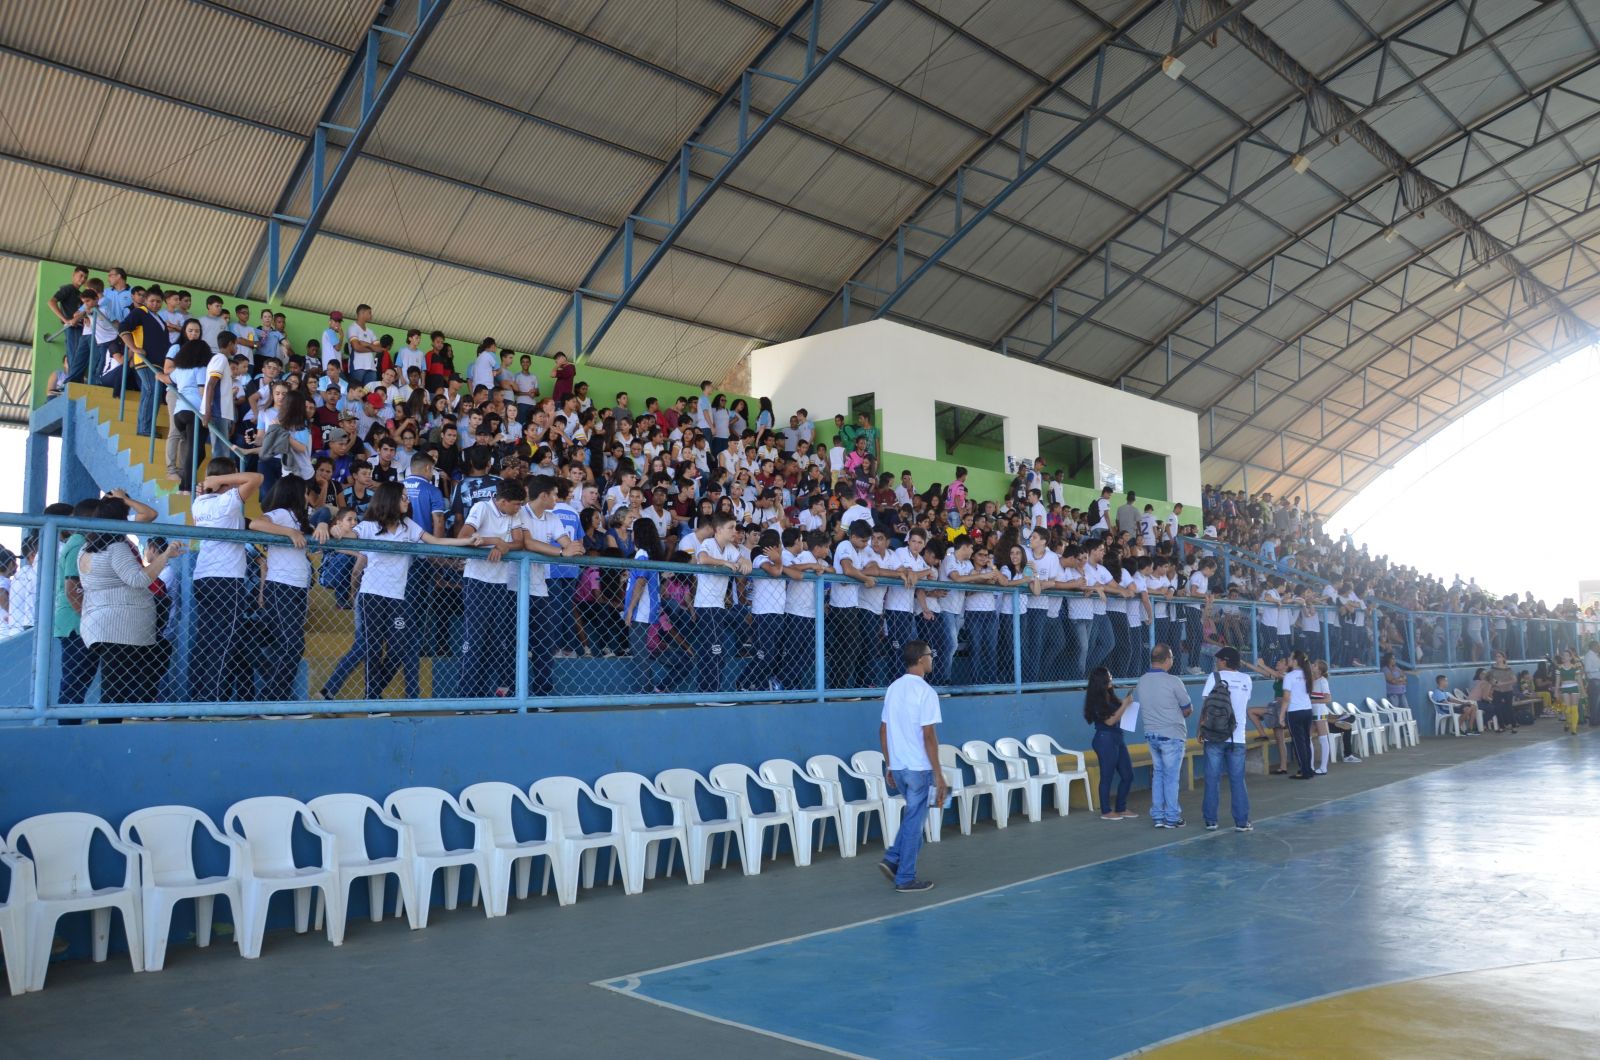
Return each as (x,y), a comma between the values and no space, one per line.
(1237,622)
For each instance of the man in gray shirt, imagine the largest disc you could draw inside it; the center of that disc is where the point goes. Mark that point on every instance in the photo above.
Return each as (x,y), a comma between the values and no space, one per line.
(1164,709)
(1128,516)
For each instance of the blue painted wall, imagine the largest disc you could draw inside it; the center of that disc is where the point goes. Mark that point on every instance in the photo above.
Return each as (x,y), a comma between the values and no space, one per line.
(112,770)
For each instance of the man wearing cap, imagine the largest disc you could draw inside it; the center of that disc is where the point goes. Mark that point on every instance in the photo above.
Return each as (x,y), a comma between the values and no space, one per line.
(337,443)
(333,340)
(1229,753)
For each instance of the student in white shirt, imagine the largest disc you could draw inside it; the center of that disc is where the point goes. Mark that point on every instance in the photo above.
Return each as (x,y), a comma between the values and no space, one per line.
(1096,582)
(980,613)
(1140,613)
(486,364)
(848,627)
(956,566)
(1227,754)
(286,587)
(1037,629)
(385,638)
(905,603)
(800,609)
(713,637)
(489,594)
(218,577)
(870,597)
(1300,712)
(768,598)
(550,615)
(910,740)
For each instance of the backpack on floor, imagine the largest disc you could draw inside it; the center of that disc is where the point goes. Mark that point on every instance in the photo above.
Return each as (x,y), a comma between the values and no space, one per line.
(1216,713)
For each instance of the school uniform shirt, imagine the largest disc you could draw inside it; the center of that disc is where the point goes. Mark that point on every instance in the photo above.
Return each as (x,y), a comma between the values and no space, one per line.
(548,529)
(768,589)
(490,521)
(287,565)
(648,609)
(1095,575)
(1358,617)
(1199,584)
(1172,526)
(986,601)
(1147,530)
(113,307)
(411,357)
(1331,594)
(845,593)
(361,362)
(1135,606)
(1008,600)
(1046,568)
(1294,690)
(909,705)
(898,597)
(332,342)
(856,513)
(386,571)
(870,598)
(225,511)
(955,600)
(1098,510)
(800,597)
(711,590)
(1239,690)
(1269,614)
(1310,619)
(1321,685)
(219,372)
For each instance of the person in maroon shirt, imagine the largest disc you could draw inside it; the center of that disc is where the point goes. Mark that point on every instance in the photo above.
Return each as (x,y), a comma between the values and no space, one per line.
(564,372)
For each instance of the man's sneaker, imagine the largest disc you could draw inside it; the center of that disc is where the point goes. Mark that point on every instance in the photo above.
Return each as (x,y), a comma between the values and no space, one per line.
(1211,826)
(1162,824)
(1246,827)
(887,870)
(916,887)
(1175,824)
(1353,759)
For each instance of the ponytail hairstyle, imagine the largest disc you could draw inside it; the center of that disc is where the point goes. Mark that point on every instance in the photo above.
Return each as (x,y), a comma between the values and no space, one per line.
(1300,659)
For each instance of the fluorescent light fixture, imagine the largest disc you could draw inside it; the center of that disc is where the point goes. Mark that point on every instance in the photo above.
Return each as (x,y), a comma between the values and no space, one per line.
(1172,66)
(1299,163)
(1389,234)
(1461,284)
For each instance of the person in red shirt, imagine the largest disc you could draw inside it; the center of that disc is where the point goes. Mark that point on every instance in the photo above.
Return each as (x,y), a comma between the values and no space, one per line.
(564,373)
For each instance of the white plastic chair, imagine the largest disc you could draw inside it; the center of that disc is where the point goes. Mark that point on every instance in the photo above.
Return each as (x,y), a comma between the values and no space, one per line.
(788,775)
(58,848)
(1387,734)
(163,838)
(560,796)
(1482,721)
(870,765)
(1032,766)
(14,912)
(1389,718)
(268,824)
(1358,731)
(701,831)
(1446,716)
(493,800)
(858,812)
(422,809)
(1049,753)
(1366,730)
(1405,719)
(966,794)
(1018,778)
(629,790)
(345,815)
(736,779)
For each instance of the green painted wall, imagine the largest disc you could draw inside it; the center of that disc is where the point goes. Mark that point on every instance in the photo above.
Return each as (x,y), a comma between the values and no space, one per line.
(1143,472)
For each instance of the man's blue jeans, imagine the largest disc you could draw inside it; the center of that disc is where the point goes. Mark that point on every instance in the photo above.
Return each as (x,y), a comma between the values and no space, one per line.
(1166,760)
(915,785)
(1231,754)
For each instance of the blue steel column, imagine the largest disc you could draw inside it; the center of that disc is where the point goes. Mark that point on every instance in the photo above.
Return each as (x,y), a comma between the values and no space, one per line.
(44,619)
(819,665)
(360,75)
(678,169)
(522,635)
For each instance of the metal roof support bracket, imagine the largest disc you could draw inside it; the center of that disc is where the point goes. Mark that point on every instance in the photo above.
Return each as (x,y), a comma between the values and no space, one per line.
(680,172)
(376,89)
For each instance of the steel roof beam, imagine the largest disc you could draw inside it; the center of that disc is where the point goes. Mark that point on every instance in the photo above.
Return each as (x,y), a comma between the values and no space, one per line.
(1403,270)
(1159,214)
(1406,344)
(1302,244)
(1329,109)
(679,171)
(1095,110)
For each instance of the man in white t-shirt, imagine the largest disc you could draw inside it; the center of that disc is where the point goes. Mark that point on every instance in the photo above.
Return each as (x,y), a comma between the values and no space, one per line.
(713,637)
(489,611)
(333,340)
(362,343)
(800,609)
(1229,752)
(848,629)
(904,603)
(485,365)
(908,733)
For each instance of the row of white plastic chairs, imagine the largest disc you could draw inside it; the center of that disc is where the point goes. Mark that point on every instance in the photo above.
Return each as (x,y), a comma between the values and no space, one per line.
(1380,727)
(48,855)
(1448,716)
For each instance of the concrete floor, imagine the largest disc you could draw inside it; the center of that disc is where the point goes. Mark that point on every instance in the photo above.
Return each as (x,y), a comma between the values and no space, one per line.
(483,988)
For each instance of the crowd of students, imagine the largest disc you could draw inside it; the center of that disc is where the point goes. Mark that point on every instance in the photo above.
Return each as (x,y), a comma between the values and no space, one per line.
(349,436)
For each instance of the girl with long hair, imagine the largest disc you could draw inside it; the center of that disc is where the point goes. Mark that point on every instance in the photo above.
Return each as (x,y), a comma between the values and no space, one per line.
(287,585)
(1297,683)
(1103,709)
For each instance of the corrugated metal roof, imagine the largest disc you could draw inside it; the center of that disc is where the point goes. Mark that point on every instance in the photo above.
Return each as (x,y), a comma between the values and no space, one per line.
(339,22)
(17,301)
(648,345)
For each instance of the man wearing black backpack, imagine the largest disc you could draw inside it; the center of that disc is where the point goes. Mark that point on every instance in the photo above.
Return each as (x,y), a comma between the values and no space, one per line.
(1224,716)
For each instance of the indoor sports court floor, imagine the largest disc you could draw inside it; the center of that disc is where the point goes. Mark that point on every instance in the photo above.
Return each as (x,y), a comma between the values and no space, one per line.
(1433,902)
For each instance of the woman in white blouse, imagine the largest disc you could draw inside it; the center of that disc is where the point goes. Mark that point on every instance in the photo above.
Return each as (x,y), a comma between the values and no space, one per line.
(121,618)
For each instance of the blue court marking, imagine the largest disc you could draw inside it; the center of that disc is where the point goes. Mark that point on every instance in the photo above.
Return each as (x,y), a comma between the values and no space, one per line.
(1483,865)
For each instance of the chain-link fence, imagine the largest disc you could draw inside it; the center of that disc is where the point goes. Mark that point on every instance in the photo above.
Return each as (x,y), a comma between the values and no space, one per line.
(209,621)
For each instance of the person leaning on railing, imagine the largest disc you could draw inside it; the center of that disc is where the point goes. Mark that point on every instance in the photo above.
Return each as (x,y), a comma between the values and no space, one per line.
(120,616)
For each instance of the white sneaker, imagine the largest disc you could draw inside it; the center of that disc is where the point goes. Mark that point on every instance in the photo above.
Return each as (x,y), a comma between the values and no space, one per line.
(1194,671)
(1352,759)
